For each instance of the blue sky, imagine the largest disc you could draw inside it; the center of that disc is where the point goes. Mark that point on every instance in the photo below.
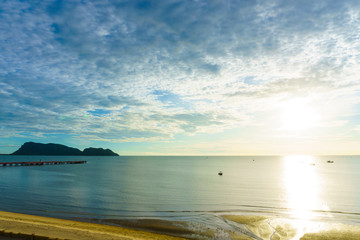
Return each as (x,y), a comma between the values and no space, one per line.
(182,77)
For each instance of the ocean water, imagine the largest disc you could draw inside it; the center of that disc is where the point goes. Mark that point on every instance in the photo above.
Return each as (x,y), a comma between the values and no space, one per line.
(185,189)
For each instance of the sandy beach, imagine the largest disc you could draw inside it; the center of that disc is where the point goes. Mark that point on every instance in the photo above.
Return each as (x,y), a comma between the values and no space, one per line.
(286,229)
(22,226)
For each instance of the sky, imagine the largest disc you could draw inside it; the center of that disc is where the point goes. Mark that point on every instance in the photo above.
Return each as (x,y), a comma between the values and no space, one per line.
(182,77)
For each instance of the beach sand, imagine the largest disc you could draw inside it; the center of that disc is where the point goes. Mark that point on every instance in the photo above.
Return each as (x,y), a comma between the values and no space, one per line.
(286,229)
(22,226)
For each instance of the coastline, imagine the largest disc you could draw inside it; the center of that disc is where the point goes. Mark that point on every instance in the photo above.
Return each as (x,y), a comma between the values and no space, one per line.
(287,229)
(24,226)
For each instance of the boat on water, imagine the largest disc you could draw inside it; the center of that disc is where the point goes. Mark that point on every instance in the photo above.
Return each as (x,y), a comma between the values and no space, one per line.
(220,173)
(329,161)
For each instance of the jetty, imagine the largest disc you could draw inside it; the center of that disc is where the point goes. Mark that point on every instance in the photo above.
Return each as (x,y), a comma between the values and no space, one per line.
(38,163)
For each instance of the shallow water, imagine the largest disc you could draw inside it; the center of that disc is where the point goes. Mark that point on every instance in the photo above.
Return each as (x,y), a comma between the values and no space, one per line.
(186,189)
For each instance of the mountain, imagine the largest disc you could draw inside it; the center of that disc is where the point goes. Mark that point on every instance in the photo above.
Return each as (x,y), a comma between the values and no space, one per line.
(98,152)
(31,148)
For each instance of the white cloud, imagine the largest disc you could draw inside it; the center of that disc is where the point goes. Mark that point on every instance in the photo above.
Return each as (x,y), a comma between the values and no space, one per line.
(228,63)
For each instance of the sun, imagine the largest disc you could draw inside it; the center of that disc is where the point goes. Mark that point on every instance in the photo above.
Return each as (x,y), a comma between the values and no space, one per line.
(297,115)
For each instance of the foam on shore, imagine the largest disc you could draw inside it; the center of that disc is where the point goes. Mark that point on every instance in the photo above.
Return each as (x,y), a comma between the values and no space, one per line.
(289,229)
(22,226)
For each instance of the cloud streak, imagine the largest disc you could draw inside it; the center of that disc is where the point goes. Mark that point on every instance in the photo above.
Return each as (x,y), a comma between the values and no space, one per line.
(157,69)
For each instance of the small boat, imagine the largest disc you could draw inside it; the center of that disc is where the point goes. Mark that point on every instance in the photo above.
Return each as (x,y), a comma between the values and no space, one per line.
(329,161)
(220,173)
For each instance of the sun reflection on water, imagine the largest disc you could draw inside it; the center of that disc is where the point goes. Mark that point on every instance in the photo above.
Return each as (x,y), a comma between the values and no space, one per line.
(302,187)
(301,183)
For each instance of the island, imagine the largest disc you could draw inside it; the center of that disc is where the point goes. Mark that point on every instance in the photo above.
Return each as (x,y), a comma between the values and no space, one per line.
(53,149)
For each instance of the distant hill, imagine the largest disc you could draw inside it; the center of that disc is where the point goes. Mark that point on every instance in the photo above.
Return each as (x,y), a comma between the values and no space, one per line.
(53,149)
(98,152)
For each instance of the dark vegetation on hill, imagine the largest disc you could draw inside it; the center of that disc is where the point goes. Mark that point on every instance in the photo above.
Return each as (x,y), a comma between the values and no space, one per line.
(53,149)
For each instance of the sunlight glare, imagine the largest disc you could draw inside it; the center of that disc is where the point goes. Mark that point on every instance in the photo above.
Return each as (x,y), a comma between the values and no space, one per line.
(297,116)
(301,186)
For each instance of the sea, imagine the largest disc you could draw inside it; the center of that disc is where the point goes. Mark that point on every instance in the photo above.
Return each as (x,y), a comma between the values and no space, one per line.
(186,190)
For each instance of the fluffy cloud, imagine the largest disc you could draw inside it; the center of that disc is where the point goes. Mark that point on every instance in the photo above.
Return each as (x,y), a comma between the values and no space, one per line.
(158,68)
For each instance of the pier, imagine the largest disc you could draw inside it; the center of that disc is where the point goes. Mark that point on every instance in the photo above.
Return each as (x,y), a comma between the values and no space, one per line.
(38,163)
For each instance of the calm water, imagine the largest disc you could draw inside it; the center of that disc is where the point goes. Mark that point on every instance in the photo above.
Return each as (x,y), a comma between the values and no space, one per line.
(185,188)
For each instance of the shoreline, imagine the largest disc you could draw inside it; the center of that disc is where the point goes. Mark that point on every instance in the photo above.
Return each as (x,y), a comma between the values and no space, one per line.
(25,226)
(286,229)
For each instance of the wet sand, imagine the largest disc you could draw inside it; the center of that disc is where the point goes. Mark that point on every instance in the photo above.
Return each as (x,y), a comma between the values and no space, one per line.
(21,226)
(286,229)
